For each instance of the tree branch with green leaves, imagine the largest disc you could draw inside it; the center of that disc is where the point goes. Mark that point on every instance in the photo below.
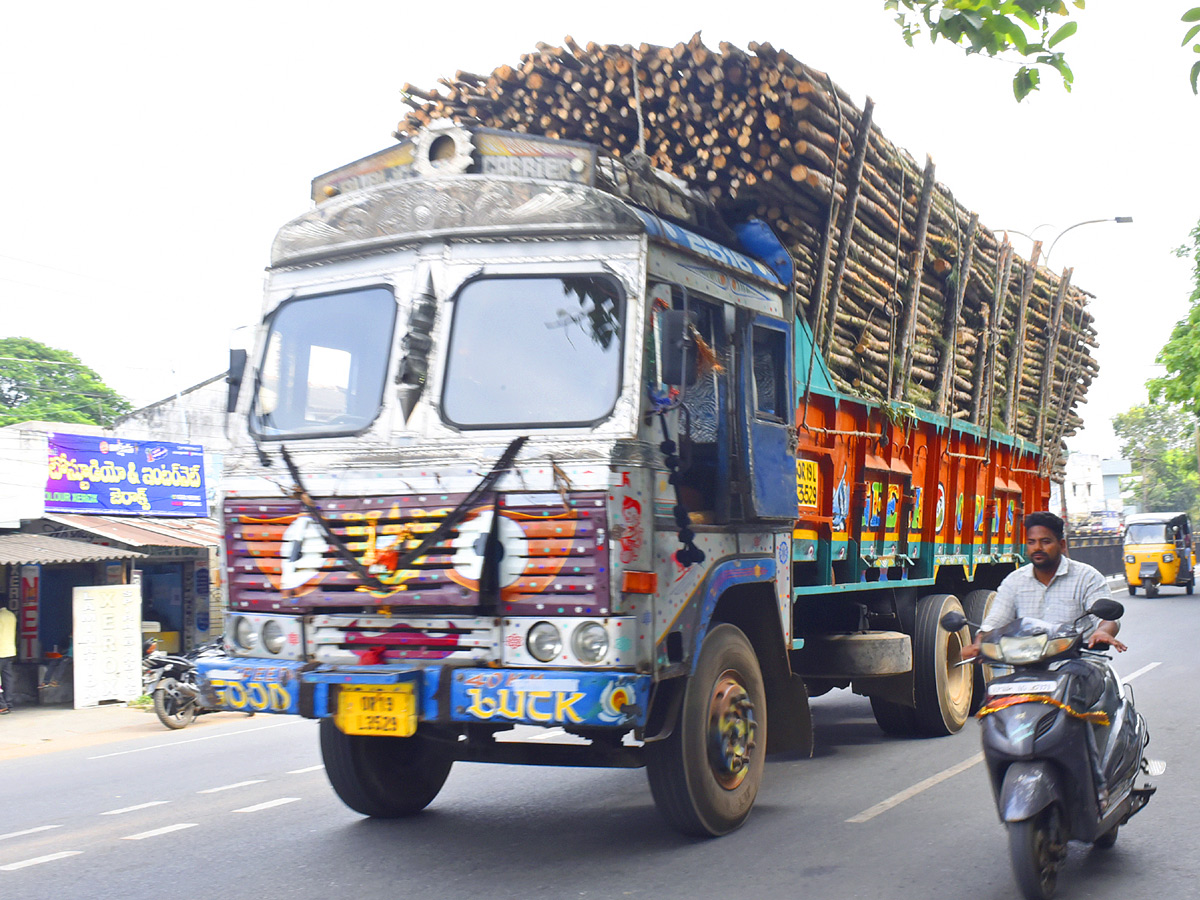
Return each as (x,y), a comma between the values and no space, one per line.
(1031,30)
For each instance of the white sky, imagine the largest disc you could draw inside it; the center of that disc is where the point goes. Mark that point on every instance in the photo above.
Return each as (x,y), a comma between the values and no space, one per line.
(151,150)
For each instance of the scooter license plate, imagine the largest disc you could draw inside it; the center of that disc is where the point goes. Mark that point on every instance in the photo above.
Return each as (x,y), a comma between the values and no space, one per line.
(1022,687)
(387,709)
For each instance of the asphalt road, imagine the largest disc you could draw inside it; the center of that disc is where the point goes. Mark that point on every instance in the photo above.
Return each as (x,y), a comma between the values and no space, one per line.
(236,807)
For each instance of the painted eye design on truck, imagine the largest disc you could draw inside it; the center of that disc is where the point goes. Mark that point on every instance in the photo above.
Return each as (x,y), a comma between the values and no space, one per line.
(471,543)
(613,701)
(302,553)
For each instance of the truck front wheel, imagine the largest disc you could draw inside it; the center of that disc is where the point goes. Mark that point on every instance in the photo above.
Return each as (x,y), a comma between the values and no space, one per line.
(941,688)
(705,775)
(383,777)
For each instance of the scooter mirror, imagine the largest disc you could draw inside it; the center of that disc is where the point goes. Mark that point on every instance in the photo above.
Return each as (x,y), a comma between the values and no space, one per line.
(1107,609)
(953,621)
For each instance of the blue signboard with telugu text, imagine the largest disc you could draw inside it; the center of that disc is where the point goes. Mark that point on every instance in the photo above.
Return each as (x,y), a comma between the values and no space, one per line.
(116,477)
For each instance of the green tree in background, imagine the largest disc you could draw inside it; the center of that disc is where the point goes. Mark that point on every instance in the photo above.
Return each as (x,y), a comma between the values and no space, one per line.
(40,383)
(1030,29)
(1159,440)
(1180,355)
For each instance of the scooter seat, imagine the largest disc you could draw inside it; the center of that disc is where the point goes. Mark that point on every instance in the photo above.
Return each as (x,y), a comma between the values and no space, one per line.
(1153,767)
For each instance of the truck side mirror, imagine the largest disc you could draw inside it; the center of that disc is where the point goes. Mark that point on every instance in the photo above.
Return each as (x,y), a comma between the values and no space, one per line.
(237,368)
(674,342)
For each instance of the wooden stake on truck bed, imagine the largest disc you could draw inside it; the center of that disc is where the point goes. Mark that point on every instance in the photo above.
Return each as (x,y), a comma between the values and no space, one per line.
(900,385)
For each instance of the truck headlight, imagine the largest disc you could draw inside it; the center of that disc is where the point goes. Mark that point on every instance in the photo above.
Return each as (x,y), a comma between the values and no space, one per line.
(244,634)
(272,636)
(544,642)
(590,642)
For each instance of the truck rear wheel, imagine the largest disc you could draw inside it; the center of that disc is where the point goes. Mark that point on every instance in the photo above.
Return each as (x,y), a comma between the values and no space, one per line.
(383,777)
(941,688)
(975,606)
(705,775)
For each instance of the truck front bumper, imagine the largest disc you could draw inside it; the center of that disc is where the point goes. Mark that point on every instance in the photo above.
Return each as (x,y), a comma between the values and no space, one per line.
(444,694)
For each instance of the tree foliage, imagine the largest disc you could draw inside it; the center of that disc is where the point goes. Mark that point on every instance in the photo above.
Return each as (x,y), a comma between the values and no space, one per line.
(41,383)
(1180,355)
(1159,440)
(1030,29)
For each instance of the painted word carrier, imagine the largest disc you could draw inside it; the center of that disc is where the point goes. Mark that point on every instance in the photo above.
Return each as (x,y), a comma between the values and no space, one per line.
(531,439)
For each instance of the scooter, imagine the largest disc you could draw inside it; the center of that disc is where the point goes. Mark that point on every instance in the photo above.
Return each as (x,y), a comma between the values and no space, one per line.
(171,681)
(1058,773)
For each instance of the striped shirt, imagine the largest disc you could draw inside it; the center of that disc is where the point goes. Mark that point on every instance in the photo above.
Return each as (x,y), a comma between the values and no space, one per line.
(1074,588)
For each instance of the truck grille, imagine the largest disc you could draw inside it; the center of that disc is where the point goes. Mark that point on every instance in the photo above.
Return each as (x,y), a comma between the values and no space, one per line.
(553,561)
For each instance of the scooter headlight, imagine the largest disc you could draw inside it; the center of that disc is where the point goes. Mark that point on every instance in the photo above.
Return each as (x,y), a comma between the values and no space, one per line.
(990,649)
(1059,645)
(1023,649)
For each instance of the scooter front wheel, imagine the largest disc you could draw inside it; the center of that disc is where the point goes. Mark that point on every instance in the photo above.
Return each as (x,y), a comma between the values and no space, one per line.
(1037,846)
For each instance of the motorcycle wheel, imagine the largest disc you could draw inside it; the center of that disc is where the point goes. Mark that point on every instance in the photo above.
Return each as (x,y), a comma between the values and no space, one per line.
(384,777)
(172,710)
(1106,840)
(1037,846)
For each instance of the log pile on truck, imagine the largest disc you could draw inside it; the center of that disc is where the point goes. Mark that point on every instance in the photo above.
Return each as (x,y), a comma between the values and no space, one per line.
(890,269)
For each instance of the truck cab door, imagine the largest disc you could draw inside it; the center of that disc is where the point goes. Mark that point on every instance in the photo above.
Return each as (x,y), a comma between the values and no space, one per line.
(766,389)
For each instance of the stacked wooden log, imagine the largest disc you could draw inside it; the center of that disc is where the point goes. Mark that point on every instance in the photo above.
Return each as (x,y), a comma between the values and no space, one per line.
(909,298)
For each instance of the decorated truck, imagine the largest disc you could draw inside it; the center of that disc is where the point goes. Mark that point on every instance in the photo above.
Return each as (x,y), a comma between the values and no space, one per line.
(534,435)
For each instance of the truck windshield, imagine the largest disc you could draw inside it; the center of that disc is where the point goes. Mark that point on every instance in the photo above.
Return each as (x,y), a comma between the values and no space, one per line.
(1148,533)
(534,351)
(323,369)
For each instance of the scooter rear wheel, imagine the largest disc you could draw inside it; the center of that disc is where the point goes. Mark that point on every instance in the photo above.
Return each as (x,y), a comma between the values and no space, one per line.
(173,710)
(1037,846)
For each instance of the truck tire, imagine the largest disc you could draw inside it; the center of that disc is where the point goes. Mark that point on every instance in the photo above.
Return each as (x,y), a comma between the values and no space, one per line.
(975,606)
(384,777)
(941,689)
(895,719)
(705,775)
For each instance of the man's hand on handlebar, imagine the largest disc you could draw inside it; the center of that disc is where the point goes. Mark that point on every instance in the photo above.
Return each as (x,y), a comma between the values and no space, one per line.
(1103,637)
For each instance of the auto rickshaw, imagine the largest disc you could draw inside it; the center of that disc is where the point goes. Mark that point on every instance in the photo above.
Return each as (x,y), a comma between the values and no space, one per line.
(1158,551)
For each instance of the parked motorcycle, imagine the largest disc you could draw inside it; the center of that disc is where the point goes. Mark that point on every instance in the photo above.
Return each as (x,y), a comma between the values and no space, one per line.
(170,680)
(1058,773)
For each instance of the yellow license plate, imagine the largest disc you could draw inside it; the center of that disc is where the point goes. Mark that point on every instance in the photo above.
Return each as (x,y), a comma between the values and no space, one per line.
(380,709)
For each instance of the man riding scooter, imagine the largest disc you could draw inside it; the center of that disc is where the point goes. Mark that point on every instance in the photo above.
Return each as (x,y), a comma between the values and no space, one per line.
(1055,588)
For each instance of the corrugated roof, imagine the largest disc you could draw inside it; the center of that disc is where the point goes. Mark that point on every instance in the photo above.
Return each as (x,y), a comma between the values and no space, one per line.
(22,549)
(145,531)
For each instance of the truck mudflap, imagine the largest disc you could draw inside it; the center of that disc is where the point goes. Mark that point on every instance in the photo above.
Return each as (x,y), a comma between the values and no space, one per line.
(250,685)
(495,696)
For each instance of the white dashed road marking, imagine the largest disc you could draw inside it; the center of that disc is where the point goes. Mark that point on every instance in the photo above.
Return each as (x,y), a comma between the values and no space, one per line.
(302,771)
(38,860)
(896,799)
(157,831)
(1142,671)
(28,831)
(270,803)
(117,812)
(229,787)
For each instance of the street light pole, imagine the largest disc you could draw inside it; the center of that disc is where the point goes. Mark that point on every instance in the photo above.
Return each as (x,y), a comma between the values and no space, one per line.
(1120,220)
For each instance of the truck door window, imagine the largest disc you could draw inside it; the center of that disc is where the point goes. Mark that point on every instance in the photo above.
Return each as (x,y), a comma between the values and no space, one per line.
(770,396)
(534,351)
(324,365)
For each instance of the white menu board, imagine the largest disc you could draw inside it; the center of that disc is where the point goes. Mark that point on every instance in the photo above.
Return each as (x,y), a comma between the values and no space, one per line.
(107,644)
